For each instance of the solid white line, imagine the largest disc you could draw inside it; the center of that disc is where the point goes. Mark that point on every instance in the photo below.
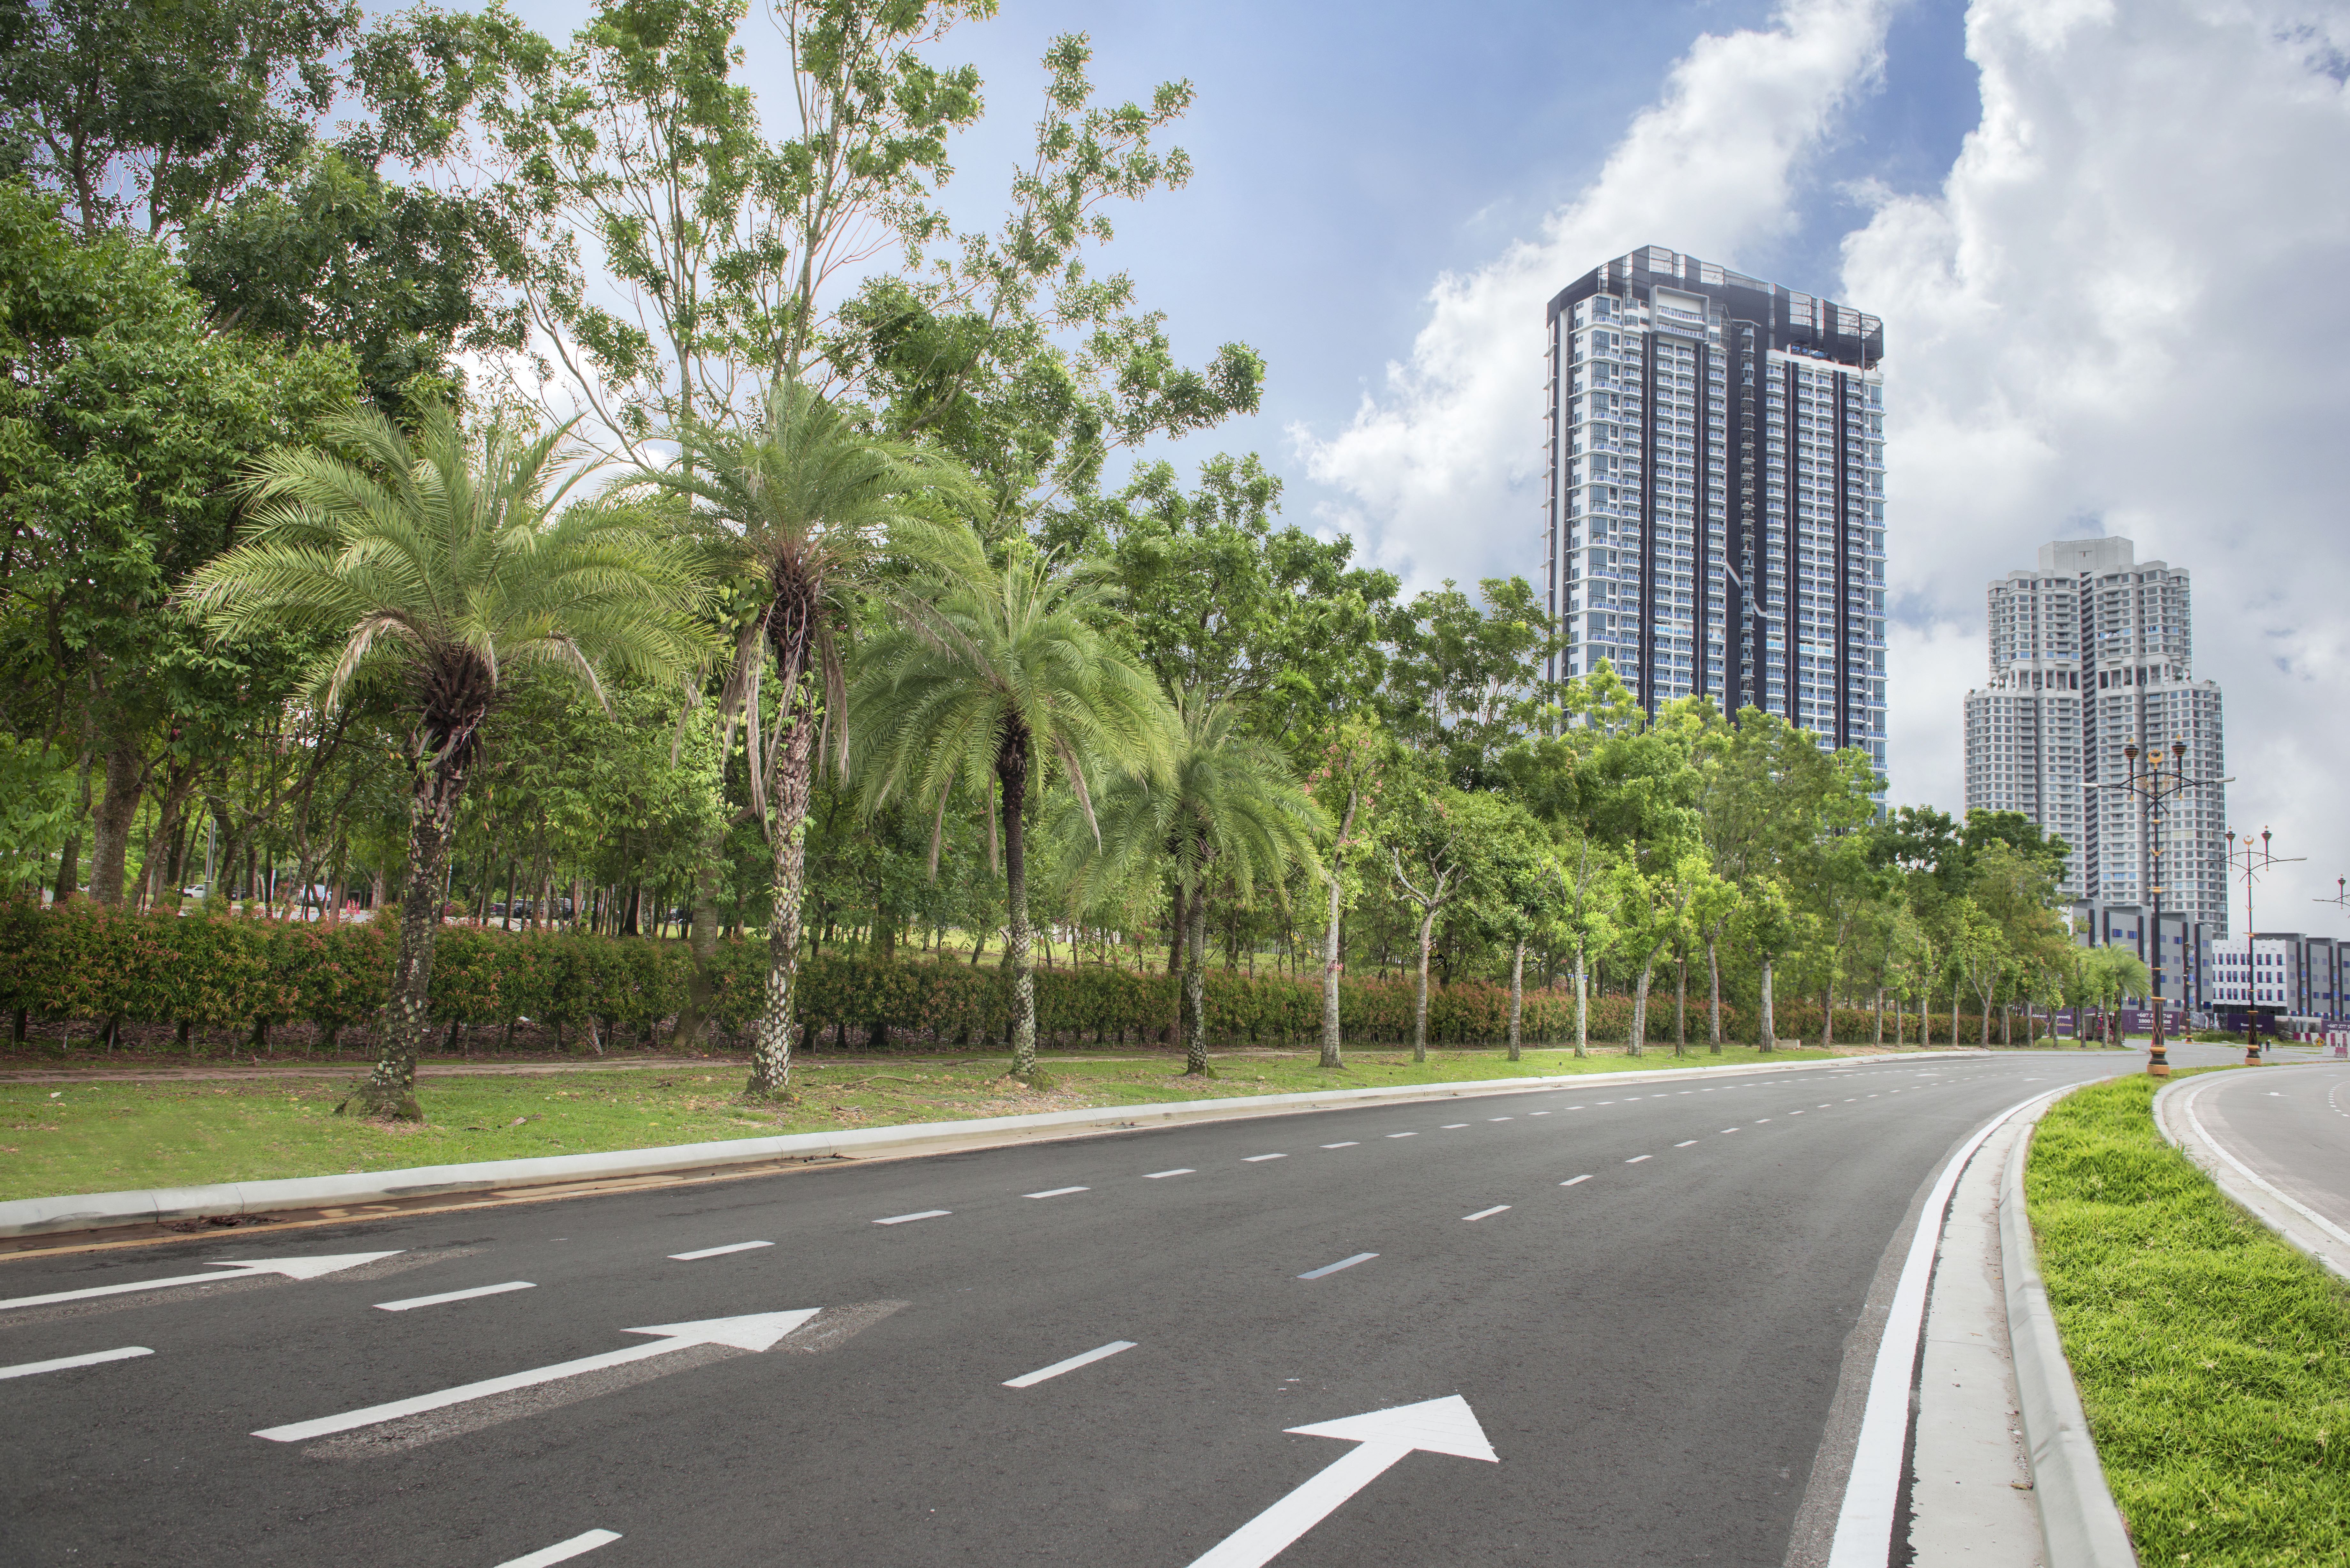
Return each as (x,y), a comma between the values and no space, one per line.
(1255,1159)
(1056,1192)
(564,1550)
(31,1369)
(925,1214)
(1685,1143)
(1030,1379)
(1638,1157)
(2314,1217)
(1350,1143)
(1341,1264)
(1488,1213)
(717,1251)
(1162,1174)
(1863,1531)
(1573,1179)
(413,1301)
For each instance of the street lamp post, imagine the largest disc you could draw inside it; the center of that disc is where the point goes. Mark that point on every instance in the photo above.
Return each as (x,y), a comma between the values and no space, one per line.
(2157,787)
(2252,860)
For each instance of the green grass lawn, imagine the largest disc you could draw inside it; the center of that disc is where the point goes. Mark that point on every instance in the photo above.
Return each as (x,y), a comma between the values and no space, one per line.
(2213,1359)
(102,1137)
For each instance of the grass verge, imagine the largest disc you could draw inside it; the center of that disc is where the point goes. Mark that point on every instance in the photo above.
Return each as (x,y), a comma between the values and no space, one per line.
(2214,1360)
(104,1136)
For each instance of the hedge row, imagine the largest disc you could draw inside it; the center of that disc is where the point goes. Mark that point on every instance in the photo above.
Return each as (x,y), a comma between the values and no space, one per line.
(84,961)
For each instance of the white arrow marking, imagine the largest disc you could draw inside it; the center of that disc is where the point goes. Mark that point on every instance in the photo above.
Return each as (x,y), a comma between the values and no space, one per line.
(755,1331)
(1439,1425)
(292,1268)
(564,1550)
(30,1369)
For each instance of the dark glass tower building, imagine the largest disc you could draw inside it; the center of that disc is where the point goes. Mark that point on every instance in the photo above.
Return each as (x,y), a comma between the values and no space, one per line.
(1716,492)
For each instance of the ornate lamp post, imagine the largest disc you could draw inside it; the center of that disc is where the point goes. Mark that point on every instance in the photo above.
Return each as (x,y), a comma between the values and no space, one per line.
(2251,861)
(2157,787)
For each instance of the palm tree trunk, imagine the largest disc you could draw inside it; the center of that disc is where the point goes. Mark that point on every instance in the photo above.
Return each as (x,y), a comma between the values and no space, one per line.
(771,1053)
(1419,996)
(1770,1026)
(1195,984)
(1517,991)
(1012,777)
(391,1088)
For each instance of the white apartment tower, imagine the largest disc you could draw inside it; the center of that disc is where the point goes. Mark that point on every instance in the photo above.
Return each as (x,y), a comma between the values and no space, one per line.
(1716,492)
(2093,652)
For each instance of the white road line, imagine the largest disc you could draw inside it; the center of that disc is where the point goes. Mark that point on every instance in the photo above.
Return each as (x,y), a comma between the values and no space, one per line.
(1488,1213)
(1537,1112)
(1760,1120)
(410,1304)
(1638,1157)
(1602,1103)
(718,1252)
(1795,1113)
(1575,1108)
(925,1214)
(1726,1131)
(1350,1143)
(1823,1106)
(1500,1119)
(1256,1159)
(1030,1379)
(1341,1264)
(1453,1126)
(564,1550)
(1056,1192)
(1162,1174)
(1573,1179)
(1403,1134)
(33,1368)
(1685,1143)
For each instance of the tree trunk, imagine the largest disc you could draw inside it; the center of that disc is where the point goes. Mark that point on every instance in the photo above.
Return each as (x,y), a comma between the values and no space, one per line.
(1713,982)
(1195,986)
(1827,1017)
(701,946)
(1419,997)
(1581,1004)
(1769,1029)
(1637,1038)
(1880,1018)
(1012,778)
(111,835)
(1517,991)
(391,1088)
(1680,1003)
(771,1051)
(1331,964)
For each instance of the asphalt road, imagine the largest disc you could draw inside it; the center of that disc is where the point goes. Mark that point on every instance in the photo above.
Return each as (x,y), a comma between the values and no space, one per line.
(2292,1126)
(1652,1353)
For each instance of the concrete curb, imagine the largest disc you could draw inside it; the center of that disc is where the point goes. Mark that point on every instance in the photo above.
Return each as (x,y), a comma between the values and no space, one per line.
(2302,1227)
(96,1211)
(2078,1522)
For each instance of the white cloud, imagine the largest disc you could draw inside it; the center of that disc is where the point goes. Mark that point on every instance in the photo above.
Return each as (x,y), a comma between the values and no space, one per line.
(2119,316)
(1440,474)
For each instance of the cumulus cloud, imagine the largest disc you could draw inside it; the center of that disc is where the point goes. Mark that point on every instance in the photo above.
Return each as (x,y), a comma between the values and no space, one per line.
(2116,317)
(1440,473)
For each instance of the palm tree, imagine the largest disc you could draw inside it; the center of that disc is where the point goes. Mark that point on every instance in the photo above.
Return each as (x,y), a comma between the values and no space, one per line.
(813,509)
(968,690)
(445,565)
(1229,808)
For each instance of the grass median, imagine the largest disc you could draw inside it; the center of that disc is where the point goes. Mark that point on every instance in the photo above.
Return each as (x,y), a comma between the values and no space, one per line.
(2213,1359)
(107,1137)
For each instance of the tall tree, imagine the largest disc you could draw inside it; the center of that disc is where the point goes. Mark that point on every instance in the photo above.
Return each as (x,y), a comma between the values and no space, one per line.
(969,692)
(443,564)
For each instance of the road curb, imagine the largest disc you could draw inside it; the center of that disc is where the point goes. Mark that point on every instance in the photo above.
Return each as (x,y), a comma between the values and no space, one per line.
(2302,1229)
(2079,1524)
(100,1211)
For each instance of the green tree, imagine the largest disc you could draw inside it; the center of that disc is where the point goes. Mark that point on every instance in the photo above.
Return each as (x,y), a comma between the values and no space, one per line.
(1226,809)
(968,691)
(443,563)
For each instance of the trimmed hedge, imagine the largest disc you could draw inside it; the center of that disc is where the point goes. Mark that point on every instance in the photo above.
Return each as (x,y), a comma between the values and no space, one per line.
(86,961)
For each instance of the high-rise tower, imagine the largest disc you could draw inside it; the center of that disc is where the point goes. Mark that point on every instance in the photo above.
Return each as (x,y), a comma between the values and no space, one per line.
(1716,492)
(2090,653)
